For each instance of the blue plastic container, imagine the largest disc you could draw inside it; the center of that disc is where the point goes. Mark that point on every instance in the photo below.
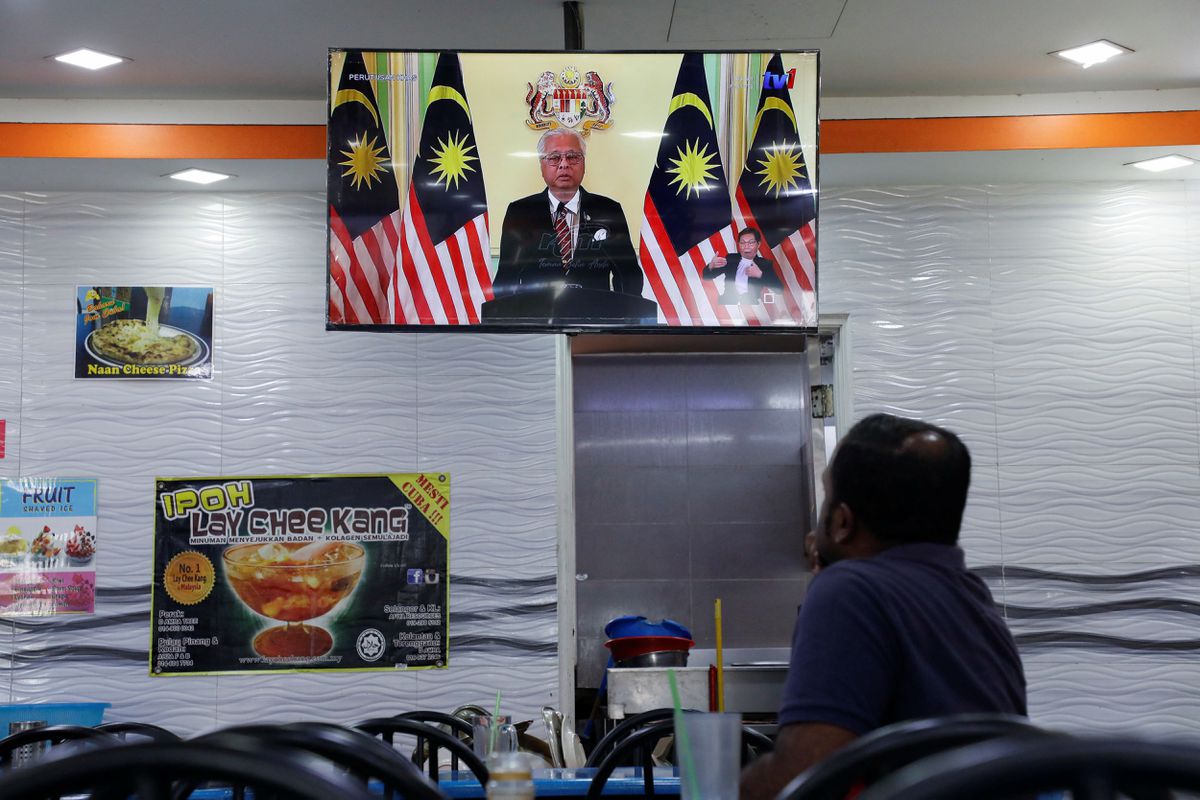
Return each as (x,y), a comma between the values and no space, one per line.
(631,625)
(85,714)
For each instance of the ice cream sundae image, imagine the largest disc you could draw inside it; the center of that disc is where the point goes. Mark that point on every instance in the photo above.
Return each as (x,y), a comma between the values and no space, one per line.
(293,582)
(81,545)
(45,545)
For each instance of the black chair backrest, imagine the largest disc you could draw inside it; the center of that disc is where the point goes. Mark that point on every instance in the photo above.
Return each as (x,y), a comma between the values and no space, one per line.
(456,724)
(755,744)
(623,729)
(641,744)
(387,728)
(365,757)
(134,731)
(152,771)
(881,752)
(1091,768)
(50,734)
(459,727)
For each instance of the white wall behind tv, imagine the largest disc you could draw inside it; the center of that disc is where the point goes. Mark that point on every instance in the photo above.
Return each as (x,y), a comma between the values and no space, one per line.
(1055,326)
(287,397)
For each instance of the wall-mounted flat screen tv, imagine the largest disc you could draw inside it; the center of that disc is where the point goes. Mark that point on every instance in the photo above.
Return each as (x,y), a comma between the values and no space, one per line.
(572,191)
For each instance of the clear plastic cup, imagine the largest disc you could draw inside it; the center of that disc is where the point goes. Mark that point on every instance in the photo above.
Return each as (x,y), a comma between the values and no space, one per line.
(481,736)
(714,742)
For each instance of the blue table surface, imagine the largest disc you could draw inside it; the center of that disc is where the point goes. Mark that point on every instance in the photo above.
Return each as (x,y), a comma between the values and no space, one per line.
(625,781)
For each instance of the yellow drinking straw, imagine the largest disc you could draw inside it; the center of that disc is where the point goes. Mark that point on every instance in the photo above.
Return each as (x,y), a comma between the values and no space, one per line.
(720,660)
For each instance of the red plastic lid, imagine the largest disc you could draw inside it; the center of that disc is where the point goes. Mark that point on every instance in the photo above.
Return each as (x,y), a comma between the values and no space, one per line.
(632,646)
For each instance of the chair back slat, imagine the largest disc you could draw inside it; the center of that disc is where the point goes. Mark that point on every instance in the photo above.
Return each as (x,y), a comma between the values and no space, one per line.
(435,738)
(870,758)
(152,771)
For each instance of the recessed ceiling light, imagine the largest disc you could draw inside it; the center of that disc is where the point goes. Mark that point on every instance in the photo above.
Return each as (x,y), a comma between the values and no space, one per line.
(1163,163)
(89,59)
(198,176)
(1095,53)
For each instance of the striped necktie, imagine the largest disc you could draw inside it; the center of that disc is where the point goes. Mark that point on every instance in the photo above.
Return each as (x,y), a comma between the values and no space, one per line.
(562,233)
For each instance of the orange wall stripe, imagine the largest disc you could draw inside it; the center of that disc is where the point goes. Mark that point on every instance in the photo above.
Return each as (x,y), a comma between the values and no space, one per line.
(80,140)
(924,135)
(1051,132)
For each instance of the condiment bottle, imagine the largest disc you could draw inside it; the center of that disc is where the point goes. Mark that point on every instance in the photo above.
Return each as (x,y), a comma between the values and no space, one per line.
(510,777)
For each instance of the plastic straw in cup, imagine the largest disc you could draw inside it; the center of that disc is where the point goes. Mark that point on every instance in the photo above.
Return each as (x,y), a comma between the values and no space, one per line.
(685,749)
(495,731)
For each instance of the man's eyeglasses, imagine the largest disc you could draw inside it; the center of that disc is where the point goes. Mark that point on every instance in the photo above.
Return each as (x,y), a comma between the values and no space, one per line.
(555,159)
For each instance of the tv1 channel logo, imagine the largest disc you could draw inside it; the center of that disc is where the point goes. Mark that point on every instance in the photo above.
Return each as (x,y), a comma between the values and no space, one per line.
(772,80)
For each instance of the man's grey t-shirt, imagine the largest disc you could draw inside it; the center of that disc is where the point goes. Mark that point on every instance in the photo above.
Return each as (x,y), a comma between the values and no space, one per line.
(906,634)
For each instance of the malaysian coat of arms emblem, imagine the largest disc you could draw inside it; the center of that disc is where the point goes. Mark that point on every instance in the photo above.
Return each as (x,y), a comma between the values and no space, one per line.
(567,99)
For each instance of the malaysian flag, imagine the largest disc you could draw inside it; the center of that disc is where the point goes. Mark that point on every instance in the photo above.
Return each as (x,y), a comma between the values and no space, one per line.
(686,220)
(445,256)
(364,203)
(775,195)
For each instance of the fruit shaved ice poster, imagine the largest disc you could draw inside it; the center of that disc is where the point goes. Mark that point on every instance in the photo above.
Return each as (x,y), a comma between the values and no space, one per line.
(47,546)
(300,573)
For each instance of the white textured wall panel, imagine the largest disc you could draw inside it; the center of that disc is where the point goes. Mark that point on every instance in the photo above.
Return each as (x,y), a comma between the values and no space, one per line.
(312,425)
(12,238)
(122,427)
(1105,519)
(1150,694)
(47,329)
(1064,593)
(1089,222)
(279,331)
(287,397)
(1056,327)
(964,400)
(981,526)
(246,699)
(270,239)
(10,345)
(183,705)
(131,239)
(11,333)
(527,356)
(125,544)
(525,688)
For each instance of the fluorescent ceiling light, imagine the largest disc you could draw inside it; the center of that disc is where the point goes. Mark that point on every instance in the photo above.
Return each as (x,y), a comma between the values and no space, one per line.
(198,176)
(644,134)
(1163,163)
(89,59)
(1095,53)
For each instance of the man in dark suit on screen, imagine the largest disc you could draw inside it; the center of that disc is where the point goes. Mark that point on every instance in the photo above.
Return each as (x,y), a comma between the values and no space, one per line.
(565,237)
(746,274)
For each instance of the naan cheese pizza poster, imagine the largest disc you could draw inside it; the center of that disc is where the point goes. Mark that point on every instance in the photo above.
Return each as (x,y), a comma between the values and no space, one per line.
(144,332)
(47,546)
(300,573)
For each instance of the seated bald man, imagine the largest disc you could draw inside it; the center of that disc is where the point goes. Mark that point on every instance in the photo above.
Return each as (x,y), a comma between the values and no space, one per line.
(894,627)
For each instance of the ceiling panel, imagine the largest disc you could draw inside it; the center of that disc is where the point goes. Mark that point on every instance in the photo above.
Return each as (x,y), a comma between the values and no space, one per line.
(695,21)
(225,49)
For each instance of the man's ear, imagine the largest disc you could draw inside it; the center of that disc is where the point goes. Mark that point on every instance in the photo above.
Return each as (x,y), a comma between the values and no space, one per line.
(841,523)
